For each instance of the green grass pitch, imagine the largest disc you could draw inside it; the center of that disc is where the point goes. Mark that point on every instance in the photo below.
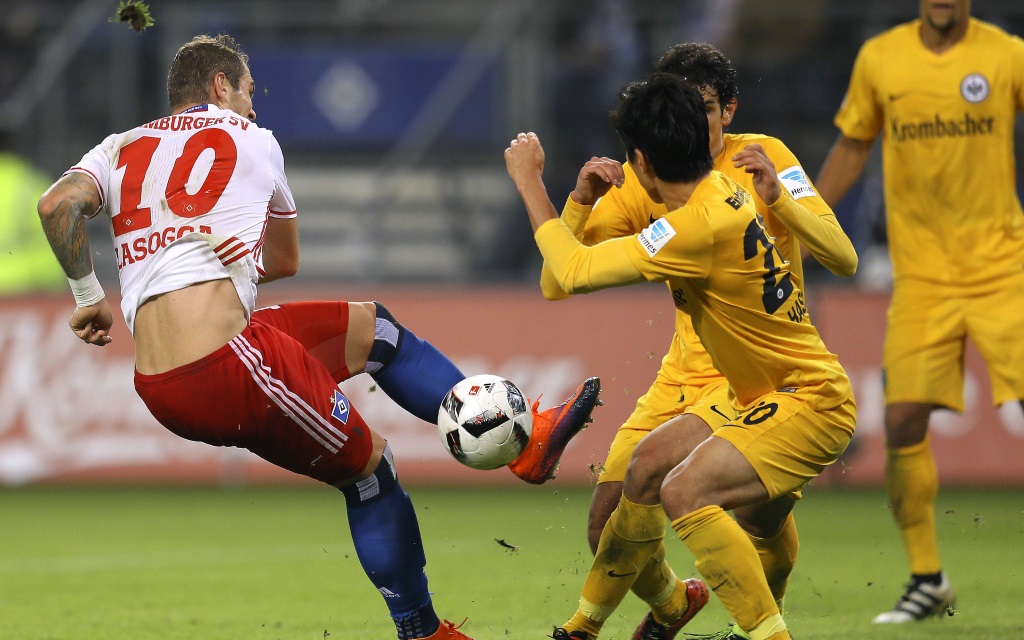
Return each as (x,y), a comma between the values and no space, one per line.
(269,564)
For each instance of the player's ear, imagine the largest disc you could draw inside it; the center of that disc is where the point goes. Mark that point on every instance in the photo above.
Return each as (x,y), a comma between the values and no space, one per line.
(728,111)
(219,88)
(640,162)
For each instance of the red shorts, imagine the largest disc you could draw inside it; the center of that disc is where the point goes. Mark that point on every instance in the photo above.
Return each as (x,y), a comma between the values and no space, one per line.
(272,390)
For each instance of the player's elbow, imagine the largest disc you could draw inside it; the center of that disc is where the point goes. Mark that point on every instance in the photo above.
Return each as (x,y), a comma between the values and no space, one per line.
(852,271)
(844,266)
(280,268)
(848,262)
(287,268)
(47,206)
(848,267)
(572,288)
(554,295)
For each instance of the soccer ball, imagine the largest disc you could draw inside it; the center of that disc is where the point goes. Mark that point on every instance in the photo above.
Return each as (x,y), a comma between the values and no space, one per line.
(484,422)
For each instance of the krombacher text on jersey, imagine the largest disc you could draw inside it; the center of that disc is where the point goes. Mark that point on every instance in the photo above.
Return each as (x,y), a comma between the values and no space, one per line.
(939,128)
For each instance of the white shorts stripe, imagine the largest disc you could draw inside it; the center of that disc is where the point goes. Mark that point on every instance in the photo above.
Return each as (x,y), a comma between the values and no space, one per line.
(316,420)
(292,405)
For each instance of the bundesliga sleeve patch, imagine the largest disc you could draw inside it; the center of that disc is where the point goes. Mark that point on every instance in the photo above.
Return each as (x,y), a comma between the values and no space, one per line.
(654,238)
(796,182)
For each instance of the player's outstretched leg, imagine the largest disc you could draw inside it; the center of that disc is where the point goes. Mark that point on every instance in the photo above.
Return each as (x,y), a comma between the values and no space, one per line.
(696,598)
(552,431)
(387,539)
(417,377)
(409,369)
(924,597)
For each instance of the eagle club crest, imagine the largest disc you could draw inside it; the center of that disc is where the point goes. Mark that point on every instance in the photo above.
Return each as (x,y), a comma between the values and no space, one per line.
(974,88)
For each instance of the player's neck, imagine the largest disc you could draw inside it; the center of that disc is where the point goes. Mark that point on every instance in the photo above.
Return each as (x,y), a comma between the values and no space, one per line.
(939,41)
(719,149)
(675,195)
(182,109)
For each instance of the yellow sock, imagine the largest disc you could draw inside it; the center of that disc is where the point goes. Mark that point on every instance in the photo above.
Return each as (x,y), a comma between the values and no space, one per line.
(672,604)
(657,586)
(633,533)
(656,581)
(913,483)
(778,556)
(773,628)
(729,563)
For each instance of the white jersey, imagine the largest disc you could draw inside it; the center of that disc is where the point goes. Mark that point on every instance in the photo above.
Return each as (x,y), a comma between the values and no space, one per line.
(188,198)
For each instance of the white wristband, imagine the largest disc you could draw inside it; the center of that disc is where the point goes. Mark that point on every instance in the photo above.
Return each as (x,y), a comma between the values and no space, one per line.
(87,290)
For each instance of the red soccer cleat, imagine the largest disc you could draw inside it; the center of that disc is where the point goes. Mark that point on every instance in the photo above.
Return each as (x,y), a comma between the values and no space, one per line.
(696,598)
(552,431)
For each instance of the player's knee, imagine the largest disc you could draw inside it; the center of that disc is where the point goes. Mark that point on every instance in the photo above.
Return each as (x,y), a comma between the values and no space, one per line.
(387,338)
(764,520)
(647,470)
(606,498)
(379,484)
(906,423)
(360,334)
(684,490)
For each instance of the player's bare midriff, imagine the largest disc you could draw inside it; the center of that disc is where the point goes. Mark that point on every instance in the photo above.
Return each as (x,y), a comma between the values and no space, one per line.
(180,327)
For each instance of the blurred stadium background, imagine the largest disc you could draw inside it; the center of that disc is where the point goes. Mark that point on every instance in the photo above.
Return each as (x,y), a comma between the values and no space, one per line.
(393,115)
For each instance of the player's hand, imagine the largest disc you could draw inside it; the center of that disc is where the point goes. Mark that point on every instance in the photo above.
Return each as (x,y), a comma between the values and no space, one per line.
(524,158)
(92,324)
(596,177)
(754,160)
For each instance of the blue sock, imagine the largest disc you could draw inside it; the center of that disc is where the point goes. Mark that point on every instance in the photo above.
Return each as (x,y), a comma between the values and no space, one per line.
(411,371)
(387,539)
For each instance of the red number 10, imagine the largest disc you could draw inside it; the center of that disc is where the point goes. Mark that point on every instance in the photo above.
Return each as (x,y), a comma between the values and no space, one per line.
(136,157)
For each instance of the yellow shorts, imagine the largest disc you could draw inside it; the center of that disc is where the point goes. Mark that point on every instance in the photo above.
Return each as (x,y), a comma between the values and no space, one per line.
(787,442)
(924,341)
(662,402)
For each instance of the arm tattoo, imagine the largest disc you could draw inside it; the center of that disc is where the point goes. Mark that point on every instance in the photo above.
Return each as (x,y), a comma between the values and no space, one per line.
(76,198)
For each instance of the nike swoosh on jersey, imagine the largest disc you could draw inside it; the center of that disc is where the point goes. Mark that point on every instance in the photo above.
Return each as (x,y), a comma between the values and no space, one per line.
(612,574)
(893,97)
(714,408)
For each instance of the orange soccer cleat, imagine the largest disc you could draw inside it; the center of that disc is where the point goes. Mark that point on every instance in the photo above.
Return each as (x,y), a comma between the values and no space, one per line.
(448,631)
(552,431)
(696,598)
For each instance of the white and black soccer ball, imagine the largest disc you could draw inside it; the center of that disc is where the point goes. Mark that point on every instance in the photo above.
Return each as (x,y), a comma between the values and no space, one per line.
(485,422)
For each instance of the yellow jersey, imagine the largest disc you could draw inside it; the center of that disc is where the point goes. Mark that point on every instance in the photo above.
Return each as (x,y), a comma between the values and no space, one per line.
(629,209)
(947,120)
(26,260)
(724,272)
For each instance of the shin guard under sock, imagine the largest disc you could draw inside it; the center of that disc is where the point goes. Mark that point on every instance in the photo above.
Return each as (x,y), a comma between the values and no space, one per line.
(913,483)
(633,533)
(387,539)
(410,370)
(778,557)
(730,565)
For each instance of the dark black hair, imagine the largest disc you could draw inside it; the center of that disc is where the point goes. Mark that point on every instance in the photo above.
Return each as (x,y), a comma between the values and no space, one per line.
(704,66)
(663,116)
